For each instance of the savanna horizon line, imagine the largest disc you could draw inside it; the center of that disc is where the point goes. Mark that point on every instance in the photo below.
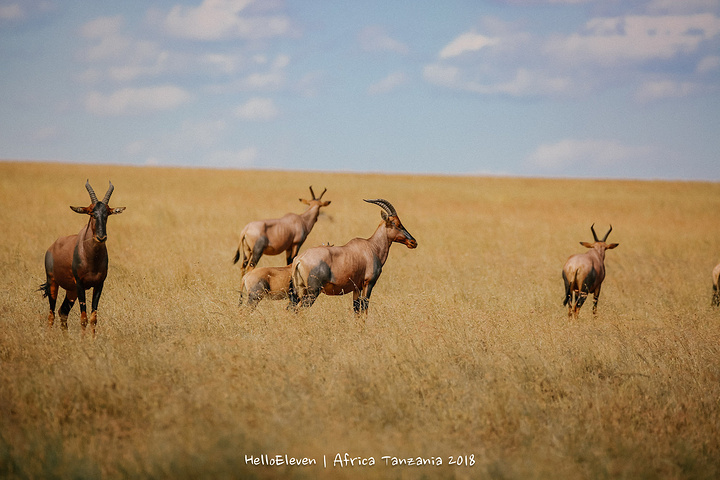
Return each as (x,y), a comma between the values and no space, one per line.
(369,173)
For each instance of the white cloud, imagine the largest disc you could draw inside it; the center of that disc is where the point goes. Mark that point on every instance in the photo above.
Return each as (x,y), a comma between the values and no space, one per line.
(590,154)
(131,101)
(263,81)
(118,57)
(258,109)
(605,53)
(221,19)
(387,84)
(270,80)
(522,82)
(107,32)
(375,39)
(634,38)
(467,42)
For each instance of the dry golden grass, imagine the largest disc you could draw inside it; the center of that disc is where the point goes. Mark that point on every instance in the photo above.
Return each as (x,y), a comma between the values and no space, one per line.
(466,350)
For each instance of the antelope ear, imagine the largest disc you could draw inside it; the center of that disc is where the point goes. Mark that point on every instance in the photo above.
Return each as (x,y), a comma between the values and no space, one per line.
(115,211)
(384,215)
(306,202)
(612,245)
(325,204)
(85,210)
(586,244)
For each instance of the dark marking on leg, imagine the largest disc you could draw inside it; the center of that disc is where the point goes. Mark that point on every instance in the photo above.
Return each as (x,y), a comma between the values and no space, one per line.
(360,305)
(257,251)
(293,299)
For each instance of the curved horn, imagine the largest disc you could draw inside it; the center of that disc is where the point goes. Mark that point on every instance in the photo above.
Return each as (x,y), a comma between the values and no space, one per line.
(592,228)
(387,206)
(321,195)
(108,193)
(93,197)
(608,233)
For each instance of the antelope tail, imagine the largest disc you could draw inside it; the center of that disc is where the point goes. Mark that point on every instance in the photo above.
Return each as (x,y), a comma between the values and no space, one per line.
(293,291)
(569,282)
(45,289)
(240,252)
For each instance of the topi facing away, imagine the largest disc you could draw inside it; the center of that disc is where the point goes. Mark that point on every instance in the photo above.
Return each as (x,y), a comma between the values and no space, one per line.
(79,262)
(265,282)
(354,267)
(716,286)
(584,273)
(275,236)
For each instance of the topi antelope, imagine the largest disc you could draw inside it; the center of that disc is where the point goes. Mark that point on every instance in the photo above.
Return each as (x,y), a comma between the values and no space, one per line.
(584,273)
(274,236)
(716,286)
(79,262)
(354,267)
(265,282)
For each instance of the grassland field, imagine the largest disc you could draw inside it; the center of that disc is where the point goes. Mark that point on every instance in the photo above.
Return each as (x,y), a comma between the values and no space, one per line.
(466,352)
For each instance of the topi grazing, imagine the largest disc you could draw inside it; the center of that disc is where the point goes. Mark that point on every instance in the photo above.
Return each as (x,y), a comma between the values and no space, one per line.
(79,262)
(265,282)
(354,267)
(716,286)
(274,236)
(584,273)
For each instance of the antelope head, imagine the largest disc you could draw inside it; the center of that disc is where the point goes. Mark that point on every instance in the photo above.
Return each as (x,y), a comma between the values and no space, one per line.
(599,244)
(398,233)
(99,212)
(316,200)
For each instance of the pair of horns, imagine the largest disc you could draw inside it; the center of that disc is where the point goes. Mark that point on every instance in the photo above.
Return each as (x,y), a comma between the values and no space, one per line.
(595,235)
(313,194)
(385,205)
(93,197)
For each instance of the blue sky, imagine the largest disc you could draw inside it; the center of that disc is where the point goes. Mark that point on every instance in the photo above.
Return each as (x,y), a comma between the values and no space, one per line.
(553,88)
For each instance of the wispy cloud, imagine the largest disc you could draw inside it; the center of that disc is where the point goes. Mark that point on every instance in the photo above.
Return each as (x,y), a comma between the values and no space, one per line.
(467,42)
(388,84)
(219,20)
(634,38)
(579,156)
(134,101)
(656,90)
(376,39)
(257,109)
(652,51)
(12,11)
(24,10)
(242,158)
